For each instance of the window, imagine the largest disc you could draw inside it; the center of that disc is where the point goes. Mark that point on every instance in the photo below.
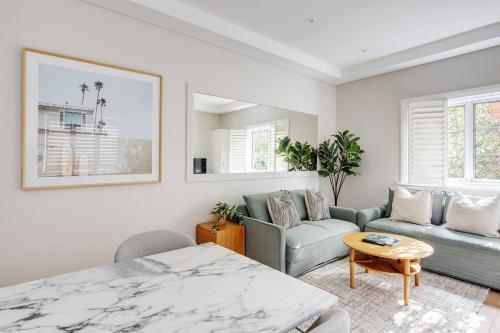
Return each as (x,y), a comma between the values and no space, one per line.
(68,118)
(260,150)
(237,150)
(452,141)
(252,150)
(456,141)
(474,139)
(487,140)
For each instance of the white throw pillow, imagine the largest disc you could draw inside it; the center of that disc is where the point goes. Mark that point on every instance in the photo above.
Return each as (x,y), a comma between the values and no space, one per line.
(316,205)
(282,210)
(414,208)
(481,217)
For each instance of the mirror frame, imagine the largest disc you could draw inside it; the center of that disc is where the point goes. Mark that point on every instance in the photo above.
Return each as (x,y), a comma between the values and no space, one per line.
(192,89)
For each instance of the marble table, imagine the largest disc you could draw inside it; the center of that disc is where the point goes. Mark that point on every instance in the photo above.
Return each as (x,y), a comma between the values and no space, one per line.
(204,288)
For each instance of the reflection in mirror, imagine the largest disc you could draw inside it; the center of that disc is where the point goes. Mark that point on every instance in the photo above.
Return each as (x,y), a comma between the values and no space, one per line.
(230,136)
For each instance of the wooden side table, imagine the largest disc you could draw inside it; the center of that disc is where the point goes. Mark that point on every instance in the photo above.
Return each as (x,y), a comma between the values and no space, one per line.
(230,236)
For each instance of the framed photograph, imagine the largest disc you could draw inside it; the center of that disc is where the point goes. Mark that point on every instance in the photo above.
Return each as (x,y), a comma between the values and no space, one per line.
(88,124)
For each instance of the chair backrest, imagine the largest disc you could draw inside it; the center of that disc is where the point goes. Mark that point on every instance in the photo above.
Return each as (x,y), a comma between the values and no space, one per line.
(152,242)
(334,320)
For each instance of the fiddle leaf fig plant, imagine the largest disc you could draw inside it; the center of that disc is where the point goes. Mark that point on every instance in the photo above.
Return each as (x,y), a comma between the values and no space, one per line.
(299,156)
(223,211)
(339,160)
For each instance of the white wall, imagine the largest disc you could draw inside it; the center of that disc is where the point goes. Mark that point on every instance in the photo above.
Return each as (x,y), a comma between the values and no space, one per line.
(43,233)
(371,109)
(203,124)
(302,126)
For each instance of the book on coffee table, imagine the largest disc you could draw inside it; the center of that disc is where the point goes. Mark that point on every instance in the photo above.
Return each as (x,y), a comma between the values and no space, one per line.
(380,240)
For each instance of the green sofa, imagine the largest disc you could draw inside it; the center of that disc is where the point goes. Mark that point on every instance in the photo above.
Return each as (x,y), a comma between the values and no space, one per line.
(461,255)
(301,248)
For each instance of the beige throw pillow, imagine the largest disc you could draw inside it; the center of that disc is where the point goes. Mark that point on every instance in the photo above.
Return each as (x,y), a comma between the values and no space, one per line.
(413,208)
(481,217)
(282,210)
(316,205)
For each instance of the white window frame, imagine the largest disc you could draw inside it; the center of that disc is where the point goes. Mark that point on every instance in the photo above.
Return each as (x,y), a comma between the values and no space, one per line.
(454,98)
(469,139)
(250,147)
(262,127)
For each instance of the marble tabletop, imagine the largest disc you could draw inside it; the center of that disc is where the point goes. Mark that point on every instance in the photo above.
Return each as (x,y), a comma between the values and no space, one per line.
(204,288)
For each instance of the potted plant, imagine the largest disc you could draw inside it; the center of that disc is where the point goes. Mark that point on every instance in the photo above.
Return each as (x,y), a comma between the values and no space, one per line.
(222,212)
(339,159)
(299,156)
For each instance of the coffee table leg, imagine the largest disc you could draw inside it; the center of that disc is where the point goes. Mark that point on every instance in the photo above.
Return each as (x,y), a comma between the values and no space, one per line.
(407,281)
(417,276)
(352,269)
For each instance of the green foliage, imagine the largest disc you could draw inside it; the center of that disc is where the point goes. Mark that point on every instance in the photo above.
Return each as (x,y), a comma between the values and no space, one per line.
(456,141)
(339,159)
(224,210)
(299,156)
(486,141)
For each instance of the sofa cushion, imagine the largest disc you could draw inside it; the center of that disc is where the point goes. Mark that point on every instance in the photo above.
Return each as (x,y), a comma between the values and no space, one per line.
(412,207)
(282,210)
(438,202)
(314,240)
(257,204)
(465,256)
(480,218)
(397,227)
(317,205)
(449,197)
(299,199)
(462,239)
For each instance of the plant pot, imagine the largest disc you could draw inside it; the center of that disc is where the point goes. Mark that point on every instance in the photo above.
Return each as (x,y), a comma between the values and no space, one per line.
(222,221)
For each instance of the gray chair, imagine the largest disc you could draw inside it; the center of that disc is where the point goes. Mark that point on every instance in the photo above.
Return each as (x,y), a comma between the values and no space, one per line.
(334,320)
(152,242)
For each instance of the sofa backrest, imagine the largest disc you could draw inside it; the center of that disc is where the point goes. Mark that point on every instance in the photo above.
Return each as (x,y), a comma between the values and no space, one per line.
(438,205)
(440,202)
(256,204)
(243,210)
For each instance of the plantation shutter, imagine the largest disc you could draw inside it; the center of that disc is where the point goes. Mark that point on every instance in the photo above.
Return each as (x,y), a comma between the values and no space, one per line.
(237,150)
(427,142)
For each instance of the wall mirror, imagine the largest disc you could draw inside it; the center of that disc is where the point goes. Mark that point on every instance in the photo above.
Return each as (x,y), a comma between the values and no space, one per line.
(230,136)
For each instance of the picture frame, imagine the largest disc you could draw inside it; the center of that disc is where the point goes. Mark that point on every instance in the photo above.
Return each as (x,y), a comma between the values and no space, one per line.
(88,123)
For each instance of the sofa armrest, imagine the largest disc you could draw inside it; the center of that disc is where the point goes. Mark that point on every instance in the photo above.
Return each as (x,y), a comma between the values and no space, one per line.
(265,243)
(342,213)
(364,216)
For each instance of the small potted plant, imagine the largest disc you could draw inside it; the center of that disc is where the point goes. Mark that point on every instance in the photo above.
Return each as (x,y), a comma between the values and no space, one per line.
(222,212)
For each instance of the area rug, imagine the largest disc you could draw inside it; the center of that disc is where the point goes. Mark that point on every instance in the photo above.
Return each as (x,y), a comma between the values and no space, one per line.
(439,304)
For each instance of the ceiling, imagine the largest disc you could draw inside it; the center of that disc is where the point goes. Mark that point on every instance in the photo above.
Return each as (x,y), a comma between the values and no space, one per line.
(342,28)
(348,40)
(218,105)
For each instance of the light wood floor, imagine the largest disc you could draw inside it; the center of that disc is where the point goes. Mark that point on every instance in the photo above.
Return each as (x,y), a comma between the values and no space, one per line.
(490,311)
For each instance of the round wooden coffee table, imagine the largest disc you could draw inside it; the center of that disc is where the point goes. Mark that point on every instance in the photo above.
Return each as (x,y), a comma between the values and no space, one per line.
(400,259)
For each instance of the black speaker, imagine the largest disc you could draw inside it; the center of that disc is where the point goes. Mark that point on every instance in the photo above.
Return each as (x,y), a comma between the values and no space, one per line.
(199,165)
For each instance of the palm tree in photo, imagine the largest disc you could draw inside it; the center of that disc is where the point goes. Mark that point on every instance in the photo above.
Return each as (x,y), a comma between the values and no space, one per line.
(98,85)
(102,103)
(83,88)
